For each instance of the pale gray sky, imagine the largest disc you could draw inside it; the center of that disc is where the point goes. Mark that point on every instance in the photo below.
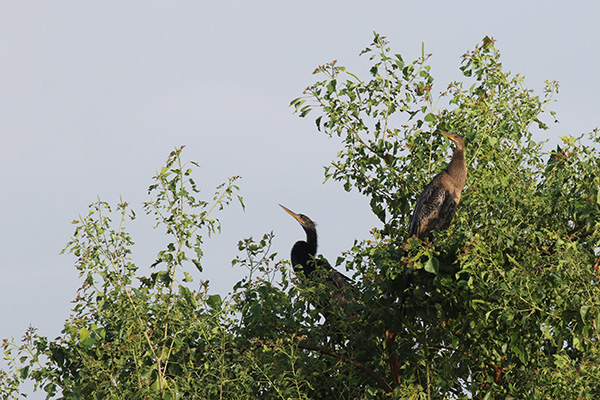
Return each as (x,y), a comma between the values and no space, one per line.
(94,95)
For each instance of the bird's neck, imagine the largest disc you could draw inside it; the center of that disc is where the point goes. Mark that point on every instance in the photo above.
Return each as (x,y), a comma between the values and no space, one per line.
(457,167)
(311,240)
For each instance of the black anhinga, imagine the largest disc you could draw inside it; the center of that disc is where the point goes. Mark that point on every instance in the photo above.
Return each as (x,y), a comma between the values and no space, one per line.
(304,252)
(438,202)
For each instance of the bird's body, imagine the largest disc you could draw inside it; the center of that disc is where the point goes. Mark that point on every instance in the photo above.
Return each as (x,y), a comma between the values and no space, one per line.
(304,254)
(438,201)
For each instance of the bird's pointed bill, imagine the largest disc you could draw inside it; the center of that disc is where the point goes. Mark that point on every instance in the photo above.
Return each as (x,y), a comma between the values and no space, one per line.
(449,136)
(293,214)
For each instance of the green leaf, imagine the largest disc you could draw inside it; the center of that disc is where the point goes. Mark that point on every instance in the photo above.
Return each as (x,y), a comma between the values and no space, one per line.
(197,264)
(83,334)
(399,61)
(24,372)
(164,172)
(214,301)
(577,343)
(432,265)
(569,140)
(583,310)
(331,86)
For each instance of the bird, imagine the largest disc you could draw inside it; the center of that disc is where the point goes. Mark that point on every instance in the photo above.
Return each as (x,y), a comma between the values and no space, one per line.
(437,204)
(304,255)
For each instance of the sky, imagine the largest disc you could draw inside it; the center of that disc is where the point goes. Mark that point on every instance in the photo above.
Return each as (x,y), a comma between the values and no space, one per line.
(94,96)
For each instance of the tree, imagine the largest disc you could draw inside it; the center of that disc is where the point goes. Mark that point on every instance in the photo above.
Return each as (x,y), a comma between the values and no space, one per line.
(505,304)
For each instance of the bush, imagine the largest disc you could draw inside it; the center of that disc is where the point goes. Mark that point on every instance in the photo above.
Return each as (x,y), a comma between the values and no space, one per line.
(504,304)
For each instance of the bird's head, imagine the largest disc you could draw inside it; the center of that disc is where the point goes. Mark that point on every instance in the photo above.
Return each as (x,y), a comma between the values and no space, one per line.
(456,138)
(306,222)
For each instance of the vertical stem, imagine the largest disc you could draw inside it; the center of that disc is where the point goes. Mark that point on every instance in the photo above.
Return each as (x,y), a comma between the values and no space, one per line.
(428,373)
(390,338)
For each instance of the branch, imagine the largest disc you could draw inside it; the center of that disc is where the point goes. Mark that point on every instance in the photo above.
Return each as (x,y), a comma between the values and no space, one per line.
(595,268)
(571,235)
(390,338)
(342,357)
(324,350)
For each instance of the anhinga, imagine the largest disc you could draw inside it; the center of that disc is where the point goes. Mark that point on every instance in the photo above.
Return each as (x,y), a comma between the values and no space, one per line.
(434,212)
(438,202)
(304,252)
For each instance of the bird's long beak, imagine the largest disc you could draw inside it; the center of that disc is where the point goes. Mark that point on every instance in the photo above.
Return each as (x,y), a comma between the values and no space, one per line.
(293,214)
(448,136)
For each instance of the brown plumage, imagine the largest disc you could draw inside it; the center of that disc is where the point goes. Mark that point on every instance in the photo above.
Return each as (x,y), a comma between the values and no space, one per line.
(438,202)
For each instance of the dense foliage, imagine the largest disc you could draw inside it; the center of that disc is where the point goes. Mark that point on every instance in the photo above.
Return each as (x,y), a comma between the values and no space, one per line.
(503,305)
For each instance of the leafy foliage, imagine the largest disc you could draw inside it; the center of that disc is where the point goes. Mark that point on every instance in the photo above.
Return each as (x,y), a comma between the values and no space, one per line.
(505,294)
(157,338)
(503,305)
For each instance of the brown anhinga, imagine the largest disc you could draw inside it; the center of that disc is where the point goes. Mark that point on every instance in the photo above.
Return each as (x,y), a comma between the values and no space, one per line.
(434,211)
(438,202)
(304,254)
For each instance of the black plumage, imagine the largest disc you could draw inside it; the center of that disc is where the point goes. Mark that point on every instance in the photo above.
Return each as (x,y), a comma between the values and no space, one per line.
(439,200)
(304,254)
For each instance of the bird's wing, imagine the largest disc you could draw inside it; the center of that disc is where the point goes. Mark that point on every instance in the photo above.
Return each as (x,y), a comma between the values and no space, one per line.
(428,208)
(342,292)
(340,286)
(337,278)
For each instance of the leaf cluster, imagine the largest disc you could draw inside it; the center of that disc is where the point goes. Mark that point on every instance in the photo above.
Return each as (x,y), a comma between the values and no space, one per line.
(505,293)
(503,305)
